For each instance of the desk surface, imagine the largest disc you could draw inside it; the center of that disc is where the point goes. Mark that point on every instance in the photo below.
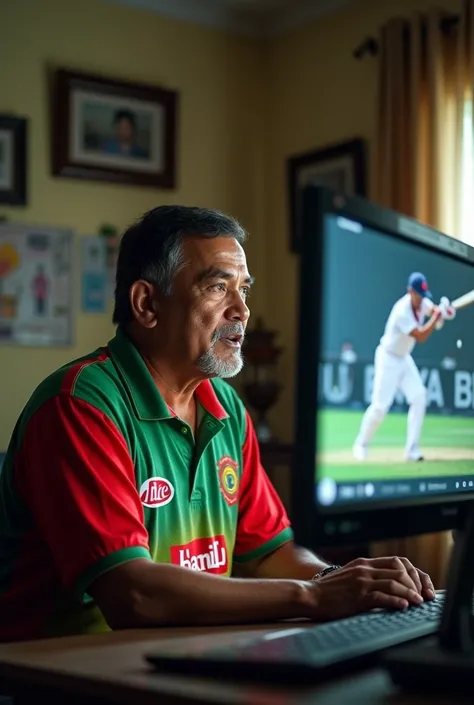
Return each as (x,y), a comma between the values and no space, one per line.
(111,667)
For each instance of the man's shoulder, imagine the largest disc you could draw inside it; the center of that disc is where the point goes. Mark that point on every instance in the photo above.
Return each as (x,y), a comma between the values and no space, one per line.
(227,395)
(402,306)
(84,378)
(427,306)
(91,369)
(230,401)
(88,378)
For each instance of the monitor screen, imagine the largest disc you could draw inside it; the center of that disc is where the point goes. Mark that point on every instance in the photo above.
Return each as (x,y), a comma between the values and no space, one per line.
(392,415)
(396,416)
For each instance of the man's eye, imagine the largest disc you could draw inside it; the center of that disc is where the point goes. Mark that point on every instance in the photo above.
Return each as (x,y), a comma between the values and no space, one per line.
(245,291)
(217,287)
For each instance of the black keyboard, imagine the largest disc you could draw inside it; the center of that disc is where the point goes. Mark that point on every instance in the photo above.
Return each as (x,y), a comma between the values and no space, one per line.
(309,653)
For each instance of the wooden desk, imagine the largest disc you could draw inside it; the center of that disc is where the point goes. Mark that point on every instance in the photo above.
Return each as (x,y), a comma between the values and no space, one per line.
(110,668)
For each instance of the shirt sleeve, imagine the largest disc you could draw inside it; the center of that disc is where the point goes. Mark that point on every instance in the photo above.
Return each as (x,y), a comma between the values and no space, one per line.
(263,524)
(75,474)
(406,323)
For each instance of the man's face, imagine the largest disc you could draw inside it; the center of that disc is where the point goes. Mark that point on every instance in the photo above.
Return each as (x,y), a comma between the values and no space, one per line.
(416,299)
(124,130)
(205,317)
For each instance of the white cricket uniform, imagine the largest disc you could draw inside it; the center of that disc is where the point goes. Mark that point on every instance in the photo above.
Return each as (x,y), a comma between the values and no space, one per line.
(395,369)
(394,366)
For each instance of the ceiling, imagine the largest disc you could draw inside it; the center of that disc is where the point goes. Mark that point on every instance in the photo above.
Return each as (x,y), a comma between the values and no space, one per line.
(249,17)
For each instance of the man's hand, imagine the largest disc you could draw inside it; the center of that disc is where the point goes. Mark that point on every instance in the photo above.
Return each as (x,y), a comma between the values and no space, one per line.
(448,312)
(367,583)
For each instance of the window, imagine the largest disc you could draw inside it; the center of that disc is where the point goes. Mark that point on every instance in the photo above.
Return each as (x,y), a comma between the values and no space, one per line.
(467,182)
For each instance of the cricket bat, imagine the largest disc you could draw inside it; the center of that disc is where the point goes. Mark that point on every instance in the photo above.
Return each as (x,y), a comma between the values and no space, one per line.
(464,300)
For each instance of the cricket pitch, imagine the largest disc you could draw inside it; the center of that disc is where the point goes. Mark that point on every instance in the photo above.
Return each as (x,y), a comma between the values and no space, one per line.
(378,456)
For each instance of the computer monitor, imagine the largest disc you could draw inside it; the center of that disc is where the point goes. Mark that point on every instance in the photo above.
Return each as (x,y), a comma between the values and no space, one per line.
(355,263)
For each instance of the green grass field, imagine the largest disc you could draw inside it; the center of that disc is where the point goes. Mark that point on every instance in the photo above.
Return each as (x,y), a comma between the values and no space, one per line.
(447,444)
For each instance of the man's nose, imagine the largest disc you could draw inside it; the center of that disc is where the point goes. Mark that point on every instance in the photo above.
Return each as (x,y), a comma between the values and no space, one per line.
(238,311)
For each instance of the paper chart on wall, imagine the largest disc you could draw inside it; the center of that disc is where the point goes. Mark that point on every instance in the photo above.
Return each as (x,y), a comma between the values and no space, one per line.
(35,285)
(94,274)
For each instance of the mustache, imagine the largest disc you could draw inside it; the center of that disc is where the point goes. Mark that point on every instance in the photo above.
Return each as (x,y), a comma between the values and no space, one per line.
(229,329)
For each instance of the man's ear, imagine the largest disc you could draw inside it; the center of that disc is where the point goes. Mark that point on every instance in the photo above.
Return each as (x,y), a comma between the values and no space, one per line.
(144,303)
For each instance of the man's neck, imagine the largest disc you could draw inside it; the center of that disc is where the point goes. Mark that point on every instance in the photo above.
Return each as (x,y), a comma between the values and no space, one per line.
(178,393)
(182,402)
(176,386)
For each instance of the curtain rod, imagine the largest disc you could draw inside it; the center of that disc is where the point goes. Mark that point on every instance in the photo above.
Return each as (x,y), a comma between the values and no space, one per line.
(370,46)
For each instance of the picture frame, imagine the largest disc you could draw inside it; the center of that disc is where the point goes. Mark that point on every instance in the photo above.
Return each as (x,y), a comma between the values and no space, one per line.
(13,159)
(104,129)
(340,166)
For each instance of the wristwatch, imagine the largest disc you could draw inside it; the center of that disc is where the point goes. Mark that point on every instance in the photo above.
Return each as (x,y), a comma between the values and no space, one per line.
(326,571)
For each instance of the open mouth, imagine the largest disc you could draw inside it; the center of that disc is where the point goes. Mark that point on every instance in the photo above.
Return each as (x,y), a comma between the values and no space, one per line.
(233,341)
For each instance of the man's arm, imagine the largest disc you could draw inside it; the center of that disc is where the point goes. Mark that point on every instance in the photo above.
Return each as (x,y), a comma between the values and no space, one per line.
(288,561)
(423,332)
(146,594)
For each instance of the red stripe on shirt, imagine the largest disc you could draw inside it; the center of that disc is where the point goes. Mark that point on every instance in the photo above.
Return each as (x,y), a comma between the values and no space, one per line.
(71,376)
(262,515)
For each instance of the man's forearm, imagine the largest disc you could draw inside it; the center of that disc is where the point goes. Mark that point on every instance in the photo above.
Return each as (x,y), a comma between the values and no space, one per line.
(289,562)
(147,594)
(426,330)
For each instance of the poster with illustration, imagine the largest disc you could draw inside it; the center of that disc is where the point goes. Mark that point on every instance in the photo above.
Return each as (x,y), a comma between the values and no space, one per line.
(35,285)
(111,238)
(94,274)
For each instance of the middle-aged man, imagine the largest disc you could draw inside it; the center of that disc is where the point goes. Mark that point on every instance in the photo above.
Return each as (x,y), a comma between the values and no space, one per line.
(132,488)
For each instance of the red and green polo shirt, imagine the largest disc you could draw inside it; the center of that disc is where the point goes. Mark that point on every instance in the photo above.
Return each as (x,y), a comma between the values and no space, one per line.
(100,471)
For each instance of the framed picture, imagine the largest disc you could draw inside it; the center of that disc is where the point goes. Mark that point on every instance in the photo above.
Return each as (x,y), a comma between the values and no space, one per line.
(13,146)
(339,166)
(108,130)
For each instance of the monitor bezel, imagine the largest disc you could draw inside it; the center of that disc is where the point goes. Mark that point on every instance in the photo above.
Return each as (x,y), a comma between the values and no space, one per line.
(313,525)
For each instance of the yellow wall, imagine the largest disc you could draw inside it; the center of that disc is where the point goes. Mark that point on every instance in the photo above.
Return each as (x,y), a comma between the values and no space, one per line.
(220,146)
(245,107)
(318,94)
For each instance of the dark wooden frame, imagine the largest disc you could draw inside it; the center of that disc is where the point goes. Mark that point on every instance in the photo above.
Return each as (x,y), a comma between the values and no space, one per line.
(17,195)
(64,83)
(354,148)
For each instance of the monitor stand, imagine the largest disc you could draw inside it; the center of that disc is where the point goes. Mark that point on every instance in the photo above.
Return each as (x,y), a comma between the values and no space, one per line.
(445,662)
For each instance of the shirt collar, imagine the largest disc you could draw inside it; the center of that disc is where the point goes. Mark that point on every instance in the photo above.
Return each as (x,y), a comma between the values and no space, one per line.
(147,401)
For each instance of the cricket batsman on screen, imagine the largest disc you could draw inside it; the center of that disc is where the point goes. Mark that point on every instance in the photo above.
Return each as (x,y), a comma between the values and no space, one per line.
(413,318)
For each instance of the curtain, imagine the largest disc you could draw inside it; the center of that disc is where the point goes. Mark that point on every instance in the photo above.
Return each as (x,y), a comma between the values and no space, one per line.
(424,161)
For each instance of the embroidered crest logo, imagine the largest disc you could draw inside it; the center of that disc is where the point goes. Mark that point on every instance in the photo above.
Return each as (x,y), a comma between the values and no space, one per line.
(229,479)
